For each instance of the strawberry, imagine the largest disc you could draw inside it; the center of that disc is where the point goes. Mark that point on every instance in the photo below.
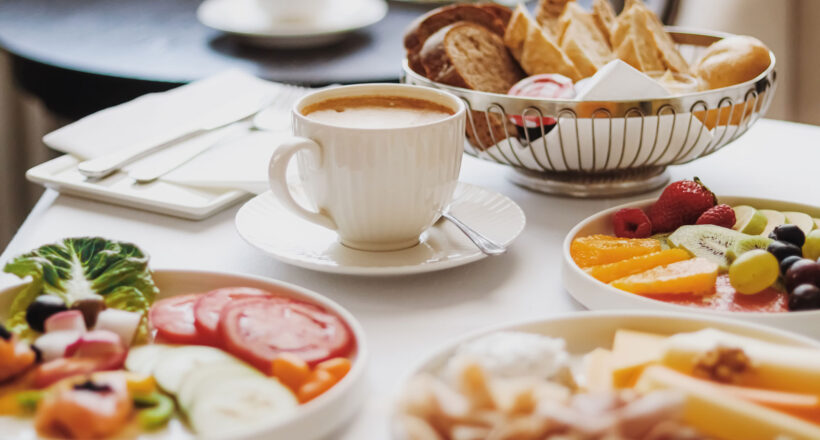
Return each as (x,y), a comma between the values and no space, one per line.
(631,223)
(721,215)
(680,203)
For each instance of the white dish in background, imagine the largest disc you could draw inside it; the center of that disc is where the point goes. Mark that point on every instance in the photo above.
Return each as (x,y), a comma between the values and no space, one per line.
(313,420)
(246,19)
(266,225)
(585,331)
(162,197)
(596,295)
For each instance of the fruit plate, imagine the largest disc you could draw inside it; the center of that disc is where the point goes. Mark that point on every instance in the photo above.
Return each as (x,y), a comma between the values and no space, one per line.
(314,419)
(585,331)
(596,295)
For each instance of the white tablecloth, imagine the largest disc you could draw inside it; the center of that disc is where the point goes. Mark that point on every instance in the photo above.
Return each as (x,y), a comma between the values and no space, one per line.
(405,317)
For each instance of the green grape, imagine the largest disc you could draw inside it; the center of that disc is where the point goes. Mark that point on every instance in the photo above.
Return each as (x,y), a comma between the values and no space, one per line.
(811,249)
(754,271)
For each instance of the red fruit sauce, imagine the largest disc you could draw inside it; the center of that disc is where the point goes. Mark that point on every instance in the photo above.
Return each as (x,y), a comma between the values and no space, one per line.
(727,299)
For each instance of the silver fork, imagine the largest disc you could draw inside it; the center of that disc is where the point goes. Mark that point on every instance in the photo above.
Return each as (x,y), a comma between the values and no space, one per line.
(278,120)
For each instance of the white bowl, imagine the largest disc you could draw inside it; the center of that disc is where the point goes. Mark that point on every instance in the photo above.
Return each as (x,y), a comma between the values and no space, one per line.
(314,419)
(596,295)
(585,331)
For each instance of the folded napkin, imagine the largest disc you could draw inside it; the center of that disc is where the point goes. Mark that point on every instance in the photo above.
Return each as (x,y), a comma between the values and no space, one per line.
(237,160)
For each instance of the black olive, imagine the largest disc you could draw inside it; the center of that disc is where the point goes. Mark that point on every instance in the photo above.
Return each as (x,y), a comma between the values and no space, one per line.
(41,309)
(90,307)
(4,333)
(88,385)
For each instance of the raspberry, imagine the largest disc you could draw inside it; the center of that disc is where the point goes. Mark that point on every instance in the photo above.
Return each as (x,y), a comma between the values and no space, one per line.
(720,215)
(632,223)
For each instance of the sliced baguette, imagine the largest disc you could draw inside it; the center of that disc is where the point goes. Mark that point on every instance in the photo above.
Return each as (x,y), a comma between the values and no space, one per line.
(547,15)
(604,17)
(535,49)
(649,36)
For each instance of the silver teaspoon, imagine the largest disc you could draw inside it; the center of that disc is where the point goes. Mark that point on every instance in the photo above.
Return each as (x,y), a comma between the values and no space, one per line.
(484,244)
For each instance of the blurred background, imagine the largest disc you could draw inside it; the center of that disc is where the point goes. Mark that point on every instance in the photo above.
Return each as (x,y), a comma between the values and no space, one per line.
(63,60)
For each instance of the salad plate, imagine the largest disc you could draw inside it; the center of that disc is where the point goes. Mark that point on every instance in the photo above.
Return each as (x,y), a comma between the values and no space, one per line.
(266,225)
(598,295)
(191,372)
(578,362)
(247,20)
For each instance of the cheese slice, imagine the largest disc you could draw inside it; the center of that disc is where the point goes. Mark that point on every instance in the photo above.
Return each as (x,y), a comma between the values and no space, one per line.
(772,366)
(723,416)
(597,370)
(632,351)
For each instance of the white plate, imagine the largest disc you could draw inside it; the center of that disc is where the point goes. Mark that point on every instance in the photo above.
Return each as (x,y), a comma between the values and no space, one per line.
(585,331)
(595,295)
(246,19)
(271,228)
(163,197)
(314,419)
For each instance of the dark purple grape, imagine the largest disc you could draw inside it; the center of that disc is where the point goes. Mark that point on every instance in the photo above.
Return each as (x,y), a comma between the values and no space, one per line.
(805,297)
(790,234)
(804,271)
(787,263)
(781,250)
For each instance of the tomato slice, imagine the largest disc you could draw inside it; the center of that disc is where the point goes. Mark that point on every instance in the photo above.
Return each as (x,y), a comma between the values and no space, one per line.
(173,318)
(259,329)
(209,306)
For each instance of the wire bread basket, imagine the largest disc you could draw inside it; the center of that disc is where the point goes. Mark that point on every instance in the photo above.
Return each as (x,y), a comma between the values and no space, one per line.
(609,148)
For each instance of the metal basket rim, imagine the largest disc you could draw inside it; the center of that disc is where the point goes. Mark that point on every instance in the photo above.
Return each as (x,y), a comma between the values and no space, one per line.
(760,82)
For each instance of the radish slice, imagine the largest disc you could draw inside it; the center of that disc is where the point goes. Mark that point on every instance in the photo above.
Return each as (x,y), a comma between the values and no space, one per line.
(96,343)
(121,322)
(53,345)
(68,320)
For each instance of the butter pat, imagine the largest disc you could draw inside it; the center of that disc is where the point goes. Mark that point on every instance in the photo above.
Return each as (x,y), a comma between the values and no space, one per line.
(723,416)
(597,370)
(632,351)
(618,80)
(771,366)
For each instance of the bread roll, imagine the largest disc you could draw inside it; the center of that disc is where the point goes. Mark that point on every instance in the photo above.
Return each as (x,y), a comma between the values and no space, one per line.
(732,61)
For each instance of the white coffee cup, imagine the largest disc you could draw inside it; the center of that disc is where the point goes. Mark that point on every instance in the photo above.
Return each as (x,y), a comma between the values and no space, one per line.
(378,188)
(292,10)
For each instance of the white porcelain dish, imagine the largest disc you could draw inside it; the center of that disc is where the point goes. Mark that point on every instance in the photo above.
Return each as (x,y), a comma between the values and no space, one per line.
(596,295)
(247,20)
(314,419)
(268,226)
(585,331)
(161,197)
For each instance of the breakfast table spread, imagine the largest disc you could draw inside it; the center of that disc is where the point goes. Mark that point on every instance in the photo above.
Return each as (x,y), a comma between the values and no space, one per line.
(406,317)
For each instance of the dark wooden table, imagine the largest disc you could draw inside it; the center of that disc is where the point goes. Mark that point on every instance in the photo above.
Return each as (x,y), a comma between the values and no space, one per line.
(80,56)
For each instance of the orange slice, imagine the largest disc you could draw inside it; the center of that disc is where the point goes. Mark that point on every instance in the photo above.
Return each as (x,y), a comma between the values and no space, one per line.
(696,276)
(594,250)
(630,266)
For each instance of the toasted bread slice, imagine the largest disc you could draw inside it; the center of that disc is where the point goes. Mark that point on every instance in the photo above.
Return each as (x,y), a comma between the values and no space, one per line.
(583,41)
(535,49)
(423,27)
(635,43)
(469,55)
(547,14)
(604,17)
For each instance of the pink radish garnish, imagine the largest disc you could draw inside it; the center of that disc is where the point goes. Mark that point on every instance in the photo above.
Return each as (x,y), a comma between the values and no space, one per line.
(96,343)
(53,345)
(121,322)
(68,320)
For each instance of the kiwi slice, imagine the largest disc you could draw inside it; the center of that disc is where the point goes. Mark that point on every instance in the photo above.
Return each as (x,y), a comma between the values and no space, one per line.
(664,239)
(707,241)
(747,244)
(749,220)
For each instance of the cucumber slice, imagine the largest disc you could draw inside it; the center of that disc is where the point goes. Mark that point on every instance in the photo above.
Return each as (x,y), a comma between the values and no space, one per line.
(177,363)
(144,358)
(203,378)
(240,404)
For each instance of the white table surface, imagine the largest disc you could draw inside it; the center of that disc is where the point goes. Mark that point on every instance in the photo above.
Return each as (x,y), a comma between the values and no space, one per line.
(405,317)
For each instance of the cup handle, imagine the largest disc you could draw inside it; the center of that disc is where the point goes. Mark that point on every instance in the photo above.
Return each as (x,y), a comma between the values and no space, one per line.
(277,176)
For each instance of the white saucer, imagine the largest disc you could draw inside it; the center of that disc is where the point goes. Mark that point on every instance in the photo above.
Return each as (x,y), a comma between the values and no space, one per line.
(246,19)
(269,227)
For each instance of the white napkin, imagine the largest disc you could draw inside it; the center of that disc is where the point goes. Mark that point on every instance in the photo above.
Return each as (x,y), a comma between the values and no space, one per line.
(237,160)
(618,80)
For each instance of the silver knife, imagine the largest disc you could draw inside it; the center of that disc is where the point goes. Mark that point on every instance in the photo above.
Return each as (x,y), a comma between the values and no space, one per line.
(236,110)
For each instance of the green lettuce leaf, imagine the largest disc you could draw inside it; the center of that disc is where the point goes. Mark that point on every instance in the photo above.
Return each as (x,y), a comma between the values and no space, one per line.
(79,268)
